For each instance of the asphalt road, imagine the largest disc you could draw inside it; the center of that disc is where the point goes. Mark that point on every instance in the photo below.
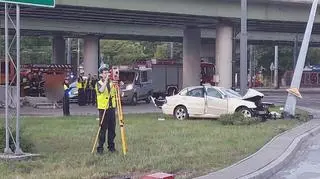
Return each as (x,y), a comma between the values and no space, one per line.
(83,110)
(306,163)
(309,100)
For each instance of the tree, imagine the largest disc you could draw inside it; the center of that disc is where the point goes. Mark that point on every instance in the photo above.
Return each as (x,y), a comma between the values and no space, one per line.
(313,56)
(118,52)
(265,56)
(162,52)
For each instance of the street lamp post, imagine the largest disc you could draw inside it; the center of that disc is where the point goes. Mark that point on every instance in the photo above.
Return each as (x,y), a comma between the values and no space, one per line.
(291,101)
(243,49)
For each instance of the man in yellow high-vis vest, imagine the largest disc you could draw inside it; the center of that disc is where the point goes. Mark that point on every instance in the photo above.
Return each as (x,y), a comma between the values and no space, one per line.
(106,103)
(81,92)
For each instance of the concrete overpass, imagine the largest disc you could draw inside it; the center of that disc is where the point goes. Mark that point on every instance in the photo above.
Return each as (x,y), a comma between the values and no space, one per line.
(177,20)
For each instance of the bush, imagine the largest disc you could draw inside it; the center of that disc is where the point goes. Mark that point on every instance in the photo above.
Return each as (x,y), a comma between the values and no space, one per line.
(25,143)
(237,119)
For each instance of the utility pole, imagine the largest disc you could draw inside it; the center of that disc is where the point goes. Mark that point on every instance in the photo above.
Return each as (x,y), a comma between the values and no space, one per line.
(78,57)
(290,105)
(171,50)
(250,64)
(276,67)
(69,51)
(243,49)
(295,51)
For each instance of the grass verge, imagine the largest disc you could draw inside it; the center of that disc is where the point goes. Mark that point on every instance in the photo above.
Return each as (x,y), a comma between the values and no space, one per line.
(186,148)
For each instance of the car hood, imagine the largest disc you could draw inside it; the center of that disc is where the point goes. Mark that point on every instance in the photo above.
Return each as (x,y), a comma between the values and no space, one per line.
(252,93)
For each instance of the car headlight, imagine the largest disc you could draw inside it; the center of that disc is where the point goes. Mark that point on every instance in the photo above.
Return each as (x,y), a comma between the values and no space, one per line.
(129,87)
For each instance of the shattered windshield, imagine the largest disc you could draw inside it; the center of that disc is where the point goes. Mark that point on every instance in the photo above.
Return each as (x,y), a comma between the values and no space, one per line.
(230,93)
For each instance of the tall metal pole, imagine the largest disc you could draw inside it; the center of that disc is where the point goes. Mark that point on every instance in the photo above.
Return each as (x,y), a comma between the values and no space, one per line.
(18,149)
(295,51)
(78,57)
(250,64)
(290,105)
(243,49)
(69,51)
(171,50)
(7,149)
(276,60)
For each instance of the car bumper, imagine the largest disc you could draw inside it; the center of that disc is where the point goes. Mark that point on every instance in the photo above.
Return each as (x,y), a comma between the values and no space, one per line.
(126,96)
(261,113)
(166,109)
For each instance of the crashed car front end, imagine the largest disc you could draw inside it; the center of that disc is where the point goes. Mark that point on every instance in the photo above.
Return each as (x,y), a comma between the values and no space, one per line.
(262,108)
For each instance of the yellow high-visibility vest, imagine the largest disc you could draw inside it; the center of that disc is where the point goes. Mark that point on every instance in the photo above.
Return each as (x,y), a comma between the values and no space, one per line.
(103,98)
(79,85)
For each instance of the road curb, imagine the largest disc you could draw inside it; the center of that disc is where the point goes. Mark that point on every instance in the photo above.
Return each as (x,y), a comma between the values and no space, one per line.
(276,165)
(283,90)
(271,157)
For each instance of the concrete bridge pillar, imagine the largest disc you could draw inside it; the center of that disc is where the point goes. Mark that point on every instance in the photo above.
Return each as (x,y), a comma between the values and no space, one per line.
(224,55)
(58,50)
(91,55)
(191,56)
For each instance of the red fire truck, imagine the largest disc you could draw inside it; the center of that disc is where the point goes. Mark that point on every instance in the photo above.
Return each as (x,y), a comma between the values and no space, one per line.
(35,76)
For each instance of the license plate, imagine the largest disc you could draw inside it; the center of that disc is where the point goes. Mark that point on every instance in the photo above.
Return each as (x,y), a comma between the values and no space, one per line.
(262,112)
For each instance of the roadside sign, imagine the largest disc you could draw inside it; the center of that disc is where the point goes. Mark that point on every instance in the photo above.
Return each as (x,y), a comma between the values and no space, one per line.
(272,66)
(42,3)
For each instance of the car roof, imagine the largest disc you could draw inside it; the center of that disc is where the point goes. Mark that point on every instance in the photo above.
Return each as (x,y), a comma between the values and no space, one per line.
(208,86)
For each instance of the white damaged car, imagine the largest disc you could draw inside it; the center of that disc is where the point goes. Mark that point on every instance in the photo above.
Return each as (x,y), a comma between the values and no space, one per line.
(212,102)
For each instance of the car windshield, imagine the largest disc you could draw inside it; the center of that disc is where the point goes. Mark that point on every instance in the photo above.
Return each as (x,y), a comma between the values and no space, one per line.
(230,93)
(126,77)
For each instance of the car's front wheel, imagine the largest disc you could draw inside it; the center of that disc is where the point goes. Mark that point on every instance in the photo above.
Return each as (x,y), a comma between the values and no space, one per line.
(134,100)
(181,113)
(246,112)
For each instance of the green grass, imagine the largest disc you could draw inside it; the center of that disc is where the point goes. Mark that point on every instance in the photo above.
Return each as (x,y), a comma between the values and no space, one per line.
(300,114)
(186,148)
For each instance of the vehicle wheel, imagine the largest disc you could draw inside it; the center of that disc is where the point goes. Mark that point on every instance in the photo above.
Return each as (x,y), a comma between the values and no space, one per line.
(148,99)
(246,112)
(181,113)
(134,100)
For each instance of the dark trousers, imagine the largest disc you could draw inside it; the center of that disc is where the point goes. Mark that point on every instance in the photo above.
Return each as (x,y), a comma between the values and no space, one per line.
(88,96)
(66,105)
(81,97)
(94,97)
(109,123)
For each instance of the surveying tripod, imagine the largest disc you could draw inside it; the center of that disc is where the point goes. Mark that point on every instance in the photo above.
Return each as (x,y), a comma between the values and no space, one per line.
(120,118)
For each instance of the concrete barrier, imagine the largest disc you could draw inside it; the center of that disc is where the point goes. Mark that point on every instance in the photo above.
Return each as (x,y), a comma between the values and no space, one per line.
(12,94)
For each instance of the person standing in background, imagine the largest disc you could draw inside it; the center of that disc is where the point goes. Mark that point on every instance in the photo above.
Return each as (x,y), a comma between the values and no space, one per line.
(88,89)
(66,102)
(81,92)
(94,94)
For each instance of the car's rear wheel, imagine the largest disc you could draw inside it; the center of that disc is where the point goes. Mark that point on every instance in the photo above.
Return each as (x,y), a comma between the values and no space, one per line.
(246,112)
(181,113)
